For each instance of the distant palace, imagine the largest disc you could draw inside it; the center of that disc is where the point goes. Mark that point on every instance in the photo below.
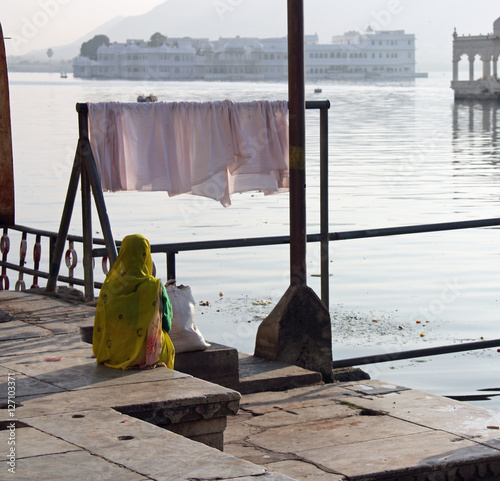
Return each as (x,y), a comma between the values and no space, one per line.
(385,54)
(485,50)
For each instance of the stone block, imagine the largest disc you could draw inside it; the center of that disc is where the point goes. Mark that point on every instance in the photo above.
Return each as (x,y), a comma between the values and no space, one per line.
(257,375)
(298,331)
(217,364)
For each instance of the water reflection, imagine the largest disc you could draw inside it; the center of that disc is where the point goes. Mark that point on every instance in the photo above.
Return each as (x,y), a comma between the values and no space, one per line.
(475,129)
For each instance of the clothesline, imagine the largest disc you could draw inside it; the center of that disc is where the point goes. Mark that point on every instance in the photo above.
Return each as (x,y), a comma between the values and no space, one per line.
(213,149)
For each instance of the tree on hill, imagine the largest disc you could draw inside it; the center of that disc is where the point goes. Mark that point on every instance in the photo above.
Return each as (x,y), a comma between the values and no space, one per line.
(50,53)
(157,40)
(89,48)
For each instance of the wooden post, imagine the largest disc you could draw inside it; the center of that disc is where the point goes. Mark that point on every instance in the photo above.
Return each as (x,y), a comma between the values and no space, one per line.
(6,162)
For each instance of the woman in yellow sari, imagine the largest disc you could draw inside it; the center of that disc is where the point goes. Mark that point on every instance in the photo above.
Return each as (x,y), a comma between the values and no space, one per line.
(133,313)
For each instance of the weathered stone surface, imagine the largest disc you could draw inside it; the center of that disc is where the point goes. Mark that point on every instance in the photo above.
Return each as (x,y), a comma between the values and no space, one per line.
(286,415)
(174,400)
(82,425)
(333,432)
(202,463)
(303,471)
(24,386)
(419,453)
(21,330)
(433,411)
(324,395)
(298,331)
(197,428)
(77,369)
(343,430)
(264,477)
(357,431)
(95,429)
(257,375)
(30,442)
(255,454)
(43,344)
(74,466)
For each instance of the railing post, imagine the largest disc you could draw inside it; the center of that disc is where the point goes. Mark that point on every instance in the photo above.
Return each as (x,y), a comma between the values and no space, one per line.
(4,249)
(93,176)
(171,266)
(324,218)
(88,271)
(56,258)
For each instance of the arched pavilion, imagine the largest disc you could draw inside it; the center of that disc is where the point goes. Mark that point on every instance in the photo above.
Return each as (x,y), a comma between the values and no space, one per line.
(483,84)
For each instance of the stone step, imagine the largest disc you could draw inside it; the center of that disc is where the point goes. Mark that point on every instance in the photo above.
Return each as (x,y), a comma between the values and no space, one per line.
(223,365)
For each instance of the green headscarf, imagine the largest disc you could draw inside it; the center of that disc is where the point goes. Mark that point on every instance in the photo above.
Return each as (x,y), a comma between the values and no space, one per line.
(128,320)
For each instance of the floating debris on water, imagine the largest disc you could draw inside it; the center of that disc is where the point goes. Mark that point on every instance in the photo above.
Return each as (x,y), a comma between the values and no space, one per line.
(262,302)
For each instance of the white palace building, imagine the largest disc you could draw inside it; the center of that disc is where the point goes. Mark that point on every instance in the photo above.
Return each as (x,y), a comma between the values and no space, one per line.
(482,84)
(354,55)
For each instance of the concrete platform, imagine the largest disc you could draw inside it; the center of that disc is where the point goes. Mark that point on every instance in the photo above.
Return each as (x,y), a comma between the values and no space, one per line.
(366,430)
(223,365)
(75,420)
(65,417)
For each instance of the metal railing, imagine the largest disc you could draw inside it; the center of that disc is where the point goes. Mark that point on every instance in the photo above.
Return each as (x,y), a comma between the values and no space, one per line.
(40,239)
(173,249)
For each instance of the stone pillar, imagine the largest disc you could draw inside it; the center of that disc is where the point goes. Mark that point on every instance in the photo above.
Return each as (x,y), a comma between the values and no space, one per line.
(486,58)
(471,68)
(495,67)
(455,69)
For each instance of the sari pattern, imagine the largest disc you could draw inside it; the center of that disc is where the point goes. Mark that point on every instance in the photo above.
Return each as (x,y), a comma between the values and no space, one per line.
(128,321)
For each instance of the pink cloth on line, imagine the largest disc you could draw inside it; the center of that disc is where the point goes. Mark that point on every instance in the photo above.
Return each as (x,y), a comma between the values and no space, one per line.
(212,149)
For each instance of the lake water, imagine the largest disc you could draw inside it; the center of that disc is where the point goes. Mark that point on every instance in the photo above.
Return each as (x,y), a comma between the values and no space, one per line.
(400,153)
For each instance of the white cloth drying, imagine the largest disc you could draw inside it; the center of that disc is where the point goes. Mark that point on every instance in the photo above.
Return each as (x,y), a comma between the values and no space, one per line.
(212,149)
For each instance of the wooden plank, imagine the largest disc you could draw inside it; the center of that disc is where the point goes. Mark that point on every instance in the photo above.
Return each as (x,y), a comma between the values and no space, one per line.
(6,162)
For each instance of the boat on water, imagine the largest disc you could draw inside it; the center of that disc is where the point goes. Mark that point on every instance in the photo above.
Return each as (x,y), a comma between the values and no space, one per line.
(64,75)
(149,98)
(318,90)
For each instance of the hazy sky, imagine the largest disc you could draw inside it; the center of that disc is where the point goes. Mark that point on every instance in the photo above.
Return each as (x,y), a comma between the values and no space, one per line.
(39,24)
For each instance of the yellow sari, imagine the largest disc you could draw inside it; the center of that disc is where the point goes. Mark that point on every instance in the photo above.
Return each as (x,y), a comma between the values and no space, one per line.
(128,320)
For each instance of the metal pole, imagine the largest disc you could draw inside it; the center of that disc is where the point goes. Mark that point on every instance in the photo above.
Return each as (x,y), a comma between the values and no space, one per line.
(88,271)
(430,351)
(89,161)
(324,222)
(55,264)
(296,99)
(171,266)
(412,229)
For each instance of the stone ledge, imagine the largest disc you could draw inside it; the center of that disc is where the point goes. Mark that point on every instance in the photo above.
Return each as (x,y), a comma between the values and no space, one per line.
(105,444)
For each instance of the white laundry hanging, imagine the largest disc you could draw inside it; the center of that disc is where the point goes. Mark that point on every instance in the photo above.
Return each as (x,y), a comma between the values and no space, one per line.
(213,149)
